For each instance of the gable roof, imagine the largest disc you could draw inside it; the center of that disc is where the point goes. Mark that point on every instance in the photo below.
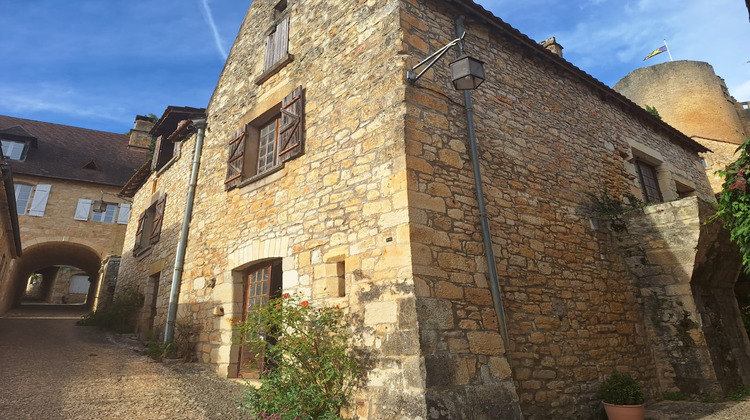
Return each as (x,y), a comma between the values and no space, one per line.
(62,151)
(605,91)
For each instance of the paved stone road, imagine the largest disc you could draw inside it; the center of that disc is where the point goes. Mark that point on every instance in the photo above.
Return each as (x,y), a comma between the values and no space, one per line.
(52,369)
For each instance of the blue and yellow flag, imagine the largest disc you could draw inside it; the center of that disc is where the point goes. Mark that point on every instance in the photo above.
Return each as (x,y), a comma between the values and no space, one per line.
(655,52)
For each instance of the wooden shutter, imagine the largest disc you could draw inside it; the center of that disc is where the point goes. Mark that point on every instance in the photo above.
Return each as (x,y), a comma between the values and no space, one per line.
(83,209)
(236,161)
(157,150)
(124,214)
(39,203)
(290,127)
(277,44)
(158,218)
(138,245)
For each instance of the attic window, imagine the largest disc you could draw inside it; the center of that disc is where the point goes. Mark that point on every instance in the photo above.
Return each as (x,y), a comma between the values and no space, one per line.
(91,165)
(14,150)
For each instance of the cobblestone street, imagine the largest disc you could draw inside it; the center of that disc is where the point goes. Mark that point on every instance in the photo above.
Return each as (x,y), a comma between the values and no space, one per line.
(53,369)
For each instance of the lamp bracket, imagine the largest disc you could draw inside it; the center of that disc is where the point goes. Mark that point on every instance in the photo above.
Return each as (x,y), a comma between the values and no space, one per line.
(413,77)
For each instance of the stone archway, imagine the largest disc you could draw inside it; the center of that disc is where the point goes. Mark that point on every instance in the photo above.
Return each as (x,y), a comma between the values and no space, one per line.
(44,257)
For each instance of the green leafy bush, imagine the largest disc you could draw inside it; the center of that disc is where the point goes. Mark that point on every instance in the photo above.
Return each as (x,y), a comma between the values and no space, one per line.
(118,316)
(308,372)
(734,202)
(621,389)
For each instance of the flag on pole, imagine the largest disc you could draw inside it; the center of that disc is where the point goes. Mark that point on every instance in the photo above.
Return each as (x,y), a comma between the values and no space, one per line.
(656,51)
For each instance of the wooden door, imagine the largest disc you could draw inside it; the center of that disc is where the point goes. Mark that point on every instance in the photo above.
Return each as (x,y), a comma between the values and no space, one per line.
(257,293)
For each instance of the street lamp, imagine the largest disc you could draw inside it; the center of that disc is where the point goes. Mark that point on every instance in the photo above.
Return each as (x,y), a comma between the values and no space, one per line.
(467,73)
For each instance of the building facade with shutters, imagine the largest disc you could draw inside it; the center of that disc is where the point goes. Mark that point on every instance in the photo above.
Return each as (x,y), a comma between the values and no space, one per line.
(324,172)
(70,217)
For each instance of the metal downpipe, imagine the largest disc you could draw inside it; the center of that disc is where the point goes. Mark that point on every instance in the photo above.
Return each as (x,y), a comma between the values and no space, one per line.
(497,298)
(174,294)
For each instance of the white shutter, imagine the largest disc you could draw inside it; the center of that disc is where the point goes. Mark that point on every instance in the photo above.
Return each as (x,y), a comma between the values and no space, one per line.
(39,203)
(124,214)
(83,209)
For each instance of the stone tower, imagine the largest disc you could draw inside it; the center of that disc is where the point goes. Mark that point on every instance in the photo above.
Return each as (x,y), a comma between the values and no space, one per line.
(689,96)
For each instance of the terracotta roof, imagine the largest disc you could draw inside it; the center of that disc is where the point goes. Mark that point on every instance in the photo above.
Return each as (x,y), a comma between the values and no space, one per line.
(136,181)
(62,151)
(610,93)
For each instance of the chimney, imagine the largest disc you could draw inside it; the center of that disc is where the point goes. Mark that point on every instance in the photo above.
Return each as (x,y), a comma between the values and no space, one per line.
(552,45)
(139,135)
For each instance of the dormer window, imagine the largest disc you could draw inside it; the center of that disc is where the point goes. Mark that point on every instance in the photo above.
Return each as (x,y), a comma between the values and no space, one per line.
(14,150)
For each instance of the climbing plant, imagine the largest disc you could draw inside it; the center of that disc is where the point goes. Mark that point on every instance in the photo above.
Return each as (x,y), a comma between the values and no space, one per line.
(734,202)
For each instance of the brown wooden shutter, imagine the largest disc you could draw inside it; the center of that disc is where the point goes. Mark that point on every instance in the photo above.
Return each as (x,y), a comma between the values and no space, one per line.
(158,218)
(138,245)
(277,44)
(236,161)
(290,127)
(155,157)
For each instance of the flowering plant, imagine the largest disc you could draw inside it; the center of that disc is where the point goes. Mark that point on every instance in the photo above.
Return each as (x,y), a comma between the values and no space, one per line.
(307,372)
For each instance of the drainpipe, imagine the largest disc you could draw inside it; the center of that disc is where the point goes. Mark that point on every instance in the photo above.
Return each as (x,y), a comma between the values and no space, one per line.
(497,298)
(174,294)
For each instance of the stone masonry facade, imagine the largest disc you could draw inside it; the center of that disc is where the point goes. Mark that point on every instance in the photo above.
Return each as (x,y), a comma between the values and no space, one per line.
(378,214)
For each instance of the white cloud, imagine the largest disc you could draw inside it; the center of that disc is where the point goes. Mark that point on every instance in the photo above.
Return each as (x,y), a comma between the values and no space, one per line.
(210,20)
(60,100)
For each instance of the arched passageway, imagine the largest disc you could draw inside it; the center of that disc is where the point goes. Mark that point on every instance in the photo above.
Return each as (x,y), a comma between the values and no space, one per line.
(47,260)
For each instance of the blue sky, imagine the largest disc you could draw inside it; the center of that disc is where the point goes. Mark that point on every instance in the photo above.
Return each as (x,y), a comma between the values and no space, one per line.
(98,63)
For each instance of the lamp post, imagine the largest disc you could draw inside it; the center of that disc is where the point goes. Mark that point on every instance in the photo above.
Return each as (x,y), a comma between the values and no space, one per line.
(467,73)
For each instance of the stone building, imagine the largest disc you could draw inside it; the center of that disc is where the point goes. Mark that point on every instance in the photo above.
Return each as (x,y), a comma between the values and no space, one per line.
(70,217)
(10,233)
(323,171)
(690,97)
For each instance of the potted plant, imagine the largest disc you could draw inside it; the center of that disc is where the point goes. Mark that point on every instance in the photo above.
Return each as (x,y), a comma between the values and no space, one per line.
(622,397)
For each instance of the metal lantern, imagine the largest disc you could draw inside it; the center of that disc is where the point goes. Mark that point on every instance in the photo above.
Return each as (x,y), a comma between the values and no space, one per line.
(99,206)
(467,73)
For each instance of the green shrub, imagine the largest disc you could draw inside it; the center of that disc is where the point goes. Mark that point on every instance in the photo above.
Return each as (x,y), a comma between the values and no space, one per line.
(734,202)
(675,396)
(118,316)
(308,371)
(621,389)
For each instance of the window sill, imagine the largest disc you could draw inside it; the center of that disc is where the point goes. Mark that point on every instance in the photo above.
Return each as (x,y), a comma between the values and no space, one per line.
(266,177)
(274,69)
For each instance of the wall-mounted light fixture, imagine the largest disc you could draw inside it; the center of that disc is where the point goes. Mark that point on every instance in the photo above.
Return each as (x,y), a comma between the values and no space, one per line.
(466,72)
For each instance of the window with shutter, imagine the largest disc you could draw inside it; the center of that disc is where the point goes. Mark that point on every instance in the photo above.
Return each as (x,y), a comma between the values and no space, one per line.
(267,142)
(83,209)
(158,218)
(277,43)
(138,245)
(23,196)
(235,165)
(148,231)
(124,214)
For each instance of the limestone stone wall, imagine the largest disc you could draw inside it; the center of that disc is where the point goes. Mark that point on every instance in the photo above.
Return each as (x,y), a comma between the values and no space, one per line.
(721,156)
(686,270)
(58,225)
(7,254)
(545,138)
(379,214)
(343,201)
(157,263)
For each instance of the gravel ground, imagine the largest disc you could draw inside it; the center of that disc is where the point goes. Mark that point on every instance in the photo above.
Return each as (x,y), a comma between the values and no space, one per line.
(52,369)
